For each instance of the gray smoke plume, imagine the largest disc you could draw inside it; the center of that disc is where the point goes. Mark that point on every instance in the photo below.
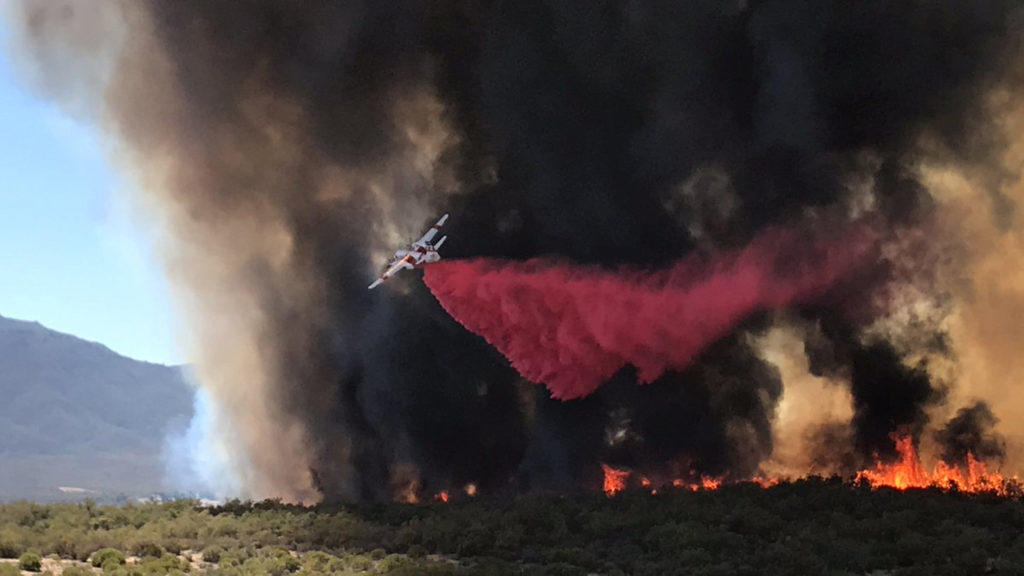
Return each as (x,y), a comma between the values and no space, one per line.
(971,432)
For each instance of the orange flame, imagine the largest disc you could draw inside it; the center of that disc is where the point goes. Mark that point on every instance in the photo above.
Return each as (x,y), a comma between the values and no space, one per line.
(908,472)
(706,483)
(710,483)
(470,489)
(442,496)
(614,480)
(408,493)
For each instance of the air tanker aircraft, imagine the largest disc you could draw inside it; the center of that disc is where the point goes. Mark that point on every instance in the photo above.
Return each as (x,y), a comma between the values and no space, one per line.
(419,253)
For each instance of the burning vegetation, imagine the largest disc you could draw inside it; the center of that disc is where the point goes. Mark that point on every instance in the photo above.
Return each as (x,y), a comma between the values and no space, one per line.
(905,473)
(908,472)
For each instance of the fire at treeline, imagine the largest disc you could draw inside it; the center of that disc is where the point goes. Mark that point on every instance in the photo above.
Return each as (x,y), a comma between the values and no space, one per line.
(687,244)
(906,473)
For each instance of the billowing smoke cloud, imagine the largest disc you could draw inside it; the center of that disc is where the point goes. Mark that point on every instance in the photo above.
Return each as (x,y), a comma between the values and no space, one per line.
(971,432)
(287,147)
(887,395)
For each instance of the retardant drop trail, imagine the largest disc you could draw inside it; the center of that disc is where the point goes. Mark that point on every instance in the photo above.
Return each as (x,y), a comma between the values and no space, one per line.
(572,327)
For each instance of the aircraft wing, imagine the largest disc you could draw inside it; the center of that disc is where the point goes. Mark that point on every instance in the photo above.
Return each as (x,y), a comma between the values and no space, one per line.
(433,230)
(404,262)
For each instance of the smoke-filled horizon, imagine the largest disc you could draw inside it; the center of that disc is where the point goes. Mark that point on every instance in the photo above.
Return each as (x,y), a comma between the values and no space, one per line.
(289,147)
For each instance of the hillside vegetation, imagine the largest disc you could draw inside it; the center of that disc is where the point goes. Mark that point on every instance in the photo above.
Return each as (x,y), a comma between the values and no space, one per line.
(808,527)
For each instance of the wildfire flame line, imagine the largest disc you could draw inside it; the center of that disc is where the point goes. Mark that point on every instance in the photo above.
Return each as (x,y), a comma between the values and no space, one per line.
(907,472)
(615,480)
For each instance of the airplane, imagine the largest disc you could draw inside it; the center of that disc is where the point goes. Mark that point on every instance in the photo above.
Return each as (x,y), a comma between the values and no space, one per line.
(419,253)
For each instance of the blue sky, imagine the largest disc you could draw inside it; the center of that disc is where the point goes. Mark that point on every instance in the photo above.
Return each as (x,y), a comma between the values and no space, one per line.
(74,255)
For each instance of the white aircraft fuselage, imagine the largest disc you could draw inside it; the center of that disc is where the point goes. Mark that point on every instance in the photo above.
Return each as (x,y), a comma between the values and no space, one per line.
(420,252)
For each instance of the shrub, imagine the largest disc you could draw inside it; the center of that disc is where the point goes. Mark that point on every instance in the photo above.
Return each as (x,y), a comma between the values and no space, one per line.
(112,568)
(31,562)
(359,563)
(393,561)
(416,551)
(280,566)
(147,550)
(152,566)
(316,561)
(10,544)
(378,553)
(213,554)
(102,556)
(233,557)
(291,563)
(173,547)
(66,547)
(9,549)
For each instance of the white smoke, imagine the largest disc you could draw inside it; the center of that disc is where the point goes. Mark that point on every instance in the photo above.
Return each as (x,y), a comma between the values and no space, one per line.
(196,459)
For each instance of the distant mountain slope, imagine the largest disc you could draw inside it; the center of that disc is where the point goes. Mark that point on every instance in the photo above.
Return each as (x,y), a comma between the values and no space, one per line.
(75,414)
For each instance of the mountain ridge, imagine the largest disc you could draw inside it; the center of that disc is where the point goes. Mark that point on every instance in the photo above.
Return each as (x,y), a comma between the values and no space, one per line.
(75,413)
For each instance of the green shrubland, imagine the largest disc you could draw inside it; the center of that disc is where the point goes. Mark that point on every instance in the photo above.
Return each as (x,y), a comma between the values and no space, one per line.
(814,526)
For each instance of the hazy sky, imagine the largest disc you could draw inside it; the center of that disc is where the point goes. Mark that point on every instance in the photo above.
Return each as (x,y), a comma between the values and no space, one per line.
(73,254)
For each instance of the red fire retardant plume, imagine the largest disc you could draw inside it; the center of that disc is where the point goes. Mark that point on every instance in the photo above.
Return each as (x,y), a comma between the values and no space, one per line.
(572,327)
